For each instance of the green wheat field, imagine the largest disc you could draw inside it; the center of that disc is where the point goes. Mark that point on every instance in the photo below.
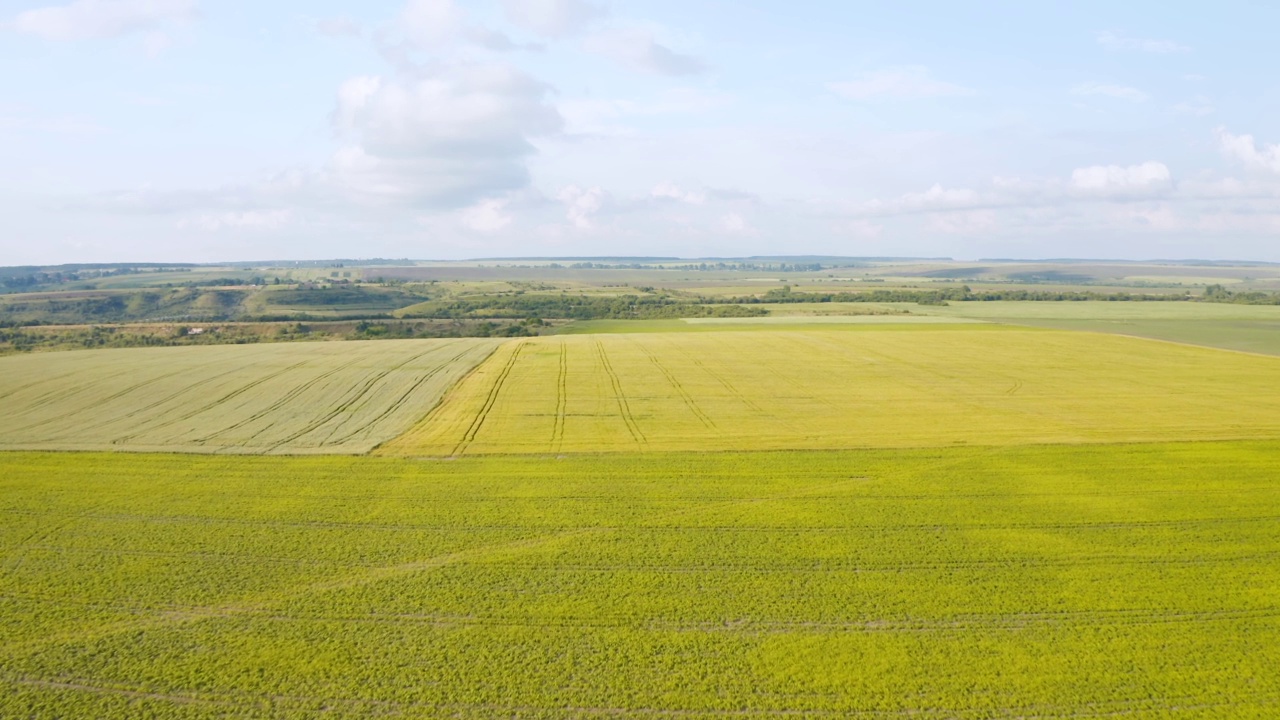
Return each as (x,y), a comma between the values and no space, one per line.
(875,521)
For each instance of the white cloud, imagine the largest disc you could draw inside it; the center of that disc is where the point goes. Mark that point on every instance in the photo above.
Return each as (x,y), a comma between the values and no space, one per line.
(443,140)
(93,19)
(437,26)
(486,216)
(341,26)
(1244,149)
(1115,179)
(964,222)
(431,23)
(581,205)
(901,83)
(1113,41)
(863,229)
(597,116)
(671,191)
(934,199)
(1121,92)
(1198,105)
(552,18)
(246,220)
(734,223)
(638,49)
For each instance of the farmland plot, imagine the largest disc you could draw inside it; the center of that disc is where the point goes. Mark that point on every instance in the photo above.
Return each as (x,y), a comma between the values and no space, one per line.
(959,583)
(818,389)
(282,398)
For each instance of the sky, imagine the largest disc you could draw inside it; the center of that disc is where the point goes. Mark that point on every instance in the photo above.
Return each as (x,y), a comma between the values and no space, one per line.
(201,131)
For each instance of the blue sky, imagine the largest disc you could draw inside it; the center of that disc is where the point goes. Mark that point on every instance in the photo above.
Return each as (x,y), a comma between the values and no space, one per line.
(186,130)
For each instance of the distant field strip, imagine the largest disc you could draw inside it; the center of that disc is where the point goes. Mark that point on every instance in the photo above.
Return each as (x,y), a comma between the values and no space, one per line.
(280,398)
(818,389)
(1116,581)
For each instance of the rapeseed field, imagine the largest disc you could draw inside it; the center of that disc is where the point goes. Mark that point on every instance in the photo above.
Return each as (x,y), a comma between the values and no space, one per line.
(830,389)
(1134,581)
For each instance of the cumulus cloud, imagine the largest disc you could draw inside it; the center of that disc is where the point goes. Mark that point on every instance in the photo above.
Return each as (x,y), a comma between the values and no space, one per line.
(637,49)
(431,23)
(901,83)
(1121,92)
(966,209)
(1115,179)
(965,222)
(93,19)
(551,18)
(933,199)
(671,191)
(444,140)
(735,224)
(486,216)
(1244,149)
(1114,41)
(438,26)
(581,205)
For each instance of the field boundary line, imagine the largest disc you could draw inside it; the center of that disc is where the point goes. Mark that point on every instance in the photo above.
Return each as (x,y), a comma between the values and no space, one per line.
(440,402)
(1180,343)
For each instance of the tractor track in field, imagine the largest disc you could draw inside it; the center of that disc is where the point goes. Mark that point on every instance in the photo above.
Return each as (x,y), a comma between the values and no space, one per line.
(393,407)
(285,399)
(969,623)
(56,395)
(19,388)
(734,391)
(205,408)
(492,397)
(361,392)
(109,398)
(675,383)
(167,398)
(562,399)
(623,406)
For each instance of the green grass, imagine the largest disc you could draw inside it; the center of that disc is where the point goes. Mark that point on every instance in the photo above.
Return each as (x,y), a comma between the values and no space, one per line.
(1052,582)
(285,398)
(1248,328)
(914,386)
(1257,336)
